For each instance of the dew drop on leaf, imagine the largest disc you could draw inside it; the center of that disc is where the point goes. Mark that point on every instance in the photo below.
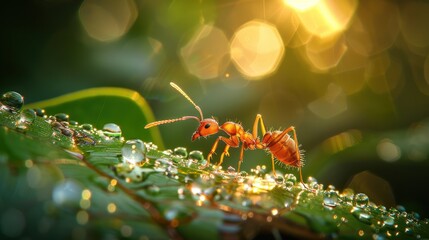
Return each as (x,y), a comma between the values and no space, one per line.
(388,222)
(196,155)
(11,101)
(153,189)
(112,130)
(40,112)
(289,177)
(180,151)
(360,200)
(362,216)
(62,117)
(330,199)
(87,127)
(133,152)
(279,179)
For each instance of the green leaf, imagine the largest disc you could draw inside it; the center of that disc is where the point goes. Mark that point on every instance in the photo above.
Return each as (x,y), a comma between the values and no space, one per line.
(99,106)
(59,179)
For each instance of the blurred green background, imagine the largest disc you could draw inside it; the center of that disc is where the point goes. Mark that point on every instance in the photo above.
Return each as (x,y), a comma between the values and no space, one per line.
(351,76)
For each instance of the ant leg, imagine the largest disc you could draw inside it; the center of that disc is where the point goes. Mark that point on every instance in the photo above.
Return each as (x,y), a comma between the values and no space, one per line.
(241,158)
(225,152)
(212,151)
(272,163)
(255,126)
(231,142)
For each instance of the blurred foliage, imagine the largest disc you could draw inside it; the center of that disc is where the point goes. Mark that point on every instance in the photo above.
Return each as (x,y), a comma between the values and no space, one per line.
(61,179)
(357,94)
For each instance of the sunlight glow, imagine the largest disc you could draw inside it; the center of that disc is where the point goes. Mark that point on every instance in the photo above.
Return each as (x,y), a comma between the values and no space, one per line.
(257,49)
(301,5)
(325,17)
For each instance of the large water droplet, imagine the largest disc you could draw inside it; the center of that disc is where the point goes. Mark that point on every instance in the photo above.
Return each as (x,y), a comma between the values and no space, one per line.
(330,199)
(11,101)
(25,118)
(134,152)
(180,151)
(67,193)
(360,200)
(112,130)
(196,155)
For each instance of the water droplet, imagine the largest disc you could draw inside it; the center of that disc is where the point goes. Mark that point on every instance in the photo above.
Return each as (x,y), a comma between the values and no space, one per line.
(153,189)
(12,223)
(330,199)
(167,152)
(112,130)
(289,177)
(400,208)
(181,151)
(244,174)
(25,118)
(11,101)
(151,146)
(175,212)
(360,200)
(231,170)
(348,195)
(181,193)
(196,155)
(67,193)
(361,215)
(280,179)
(62,117)
(388,222)
(133,152)
(87,127)
(161,164)
(171,171)
(28,116)
(409,231)
(40,112)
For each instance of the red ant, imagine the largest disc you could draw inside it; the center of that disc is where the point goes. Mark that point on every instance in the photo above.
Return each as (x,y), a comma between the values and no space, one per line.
(278,143)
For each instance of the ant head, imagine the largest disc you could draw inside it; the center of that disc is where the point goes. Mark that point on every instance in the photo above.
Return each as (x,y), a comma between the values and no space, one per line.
(207,127)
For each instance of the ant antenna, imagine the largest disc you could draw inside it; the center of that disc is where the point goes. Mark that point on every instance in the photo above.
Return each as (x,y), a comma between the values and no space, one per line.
(153,124)
(188,98)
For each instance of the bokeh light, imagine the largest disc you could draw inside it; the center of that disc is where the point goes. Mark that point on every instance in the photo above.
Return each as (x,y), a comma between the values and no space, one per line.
(326,53)
(324,17)
(107,20)
(257,49)
(206,55)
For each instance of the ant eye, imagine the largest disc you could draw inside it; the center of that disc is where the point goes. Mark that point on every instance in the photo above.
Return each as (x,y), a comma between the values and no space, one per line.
(207,125)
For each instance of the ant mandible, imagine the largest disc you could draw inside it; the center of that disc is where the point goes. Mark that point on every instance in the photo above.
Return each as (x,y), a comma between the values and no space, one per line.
(278,143)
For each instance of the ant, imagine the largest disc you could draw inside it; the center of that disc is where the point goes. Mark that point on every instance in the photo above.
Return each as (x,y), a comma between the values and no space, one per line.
(278,143)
